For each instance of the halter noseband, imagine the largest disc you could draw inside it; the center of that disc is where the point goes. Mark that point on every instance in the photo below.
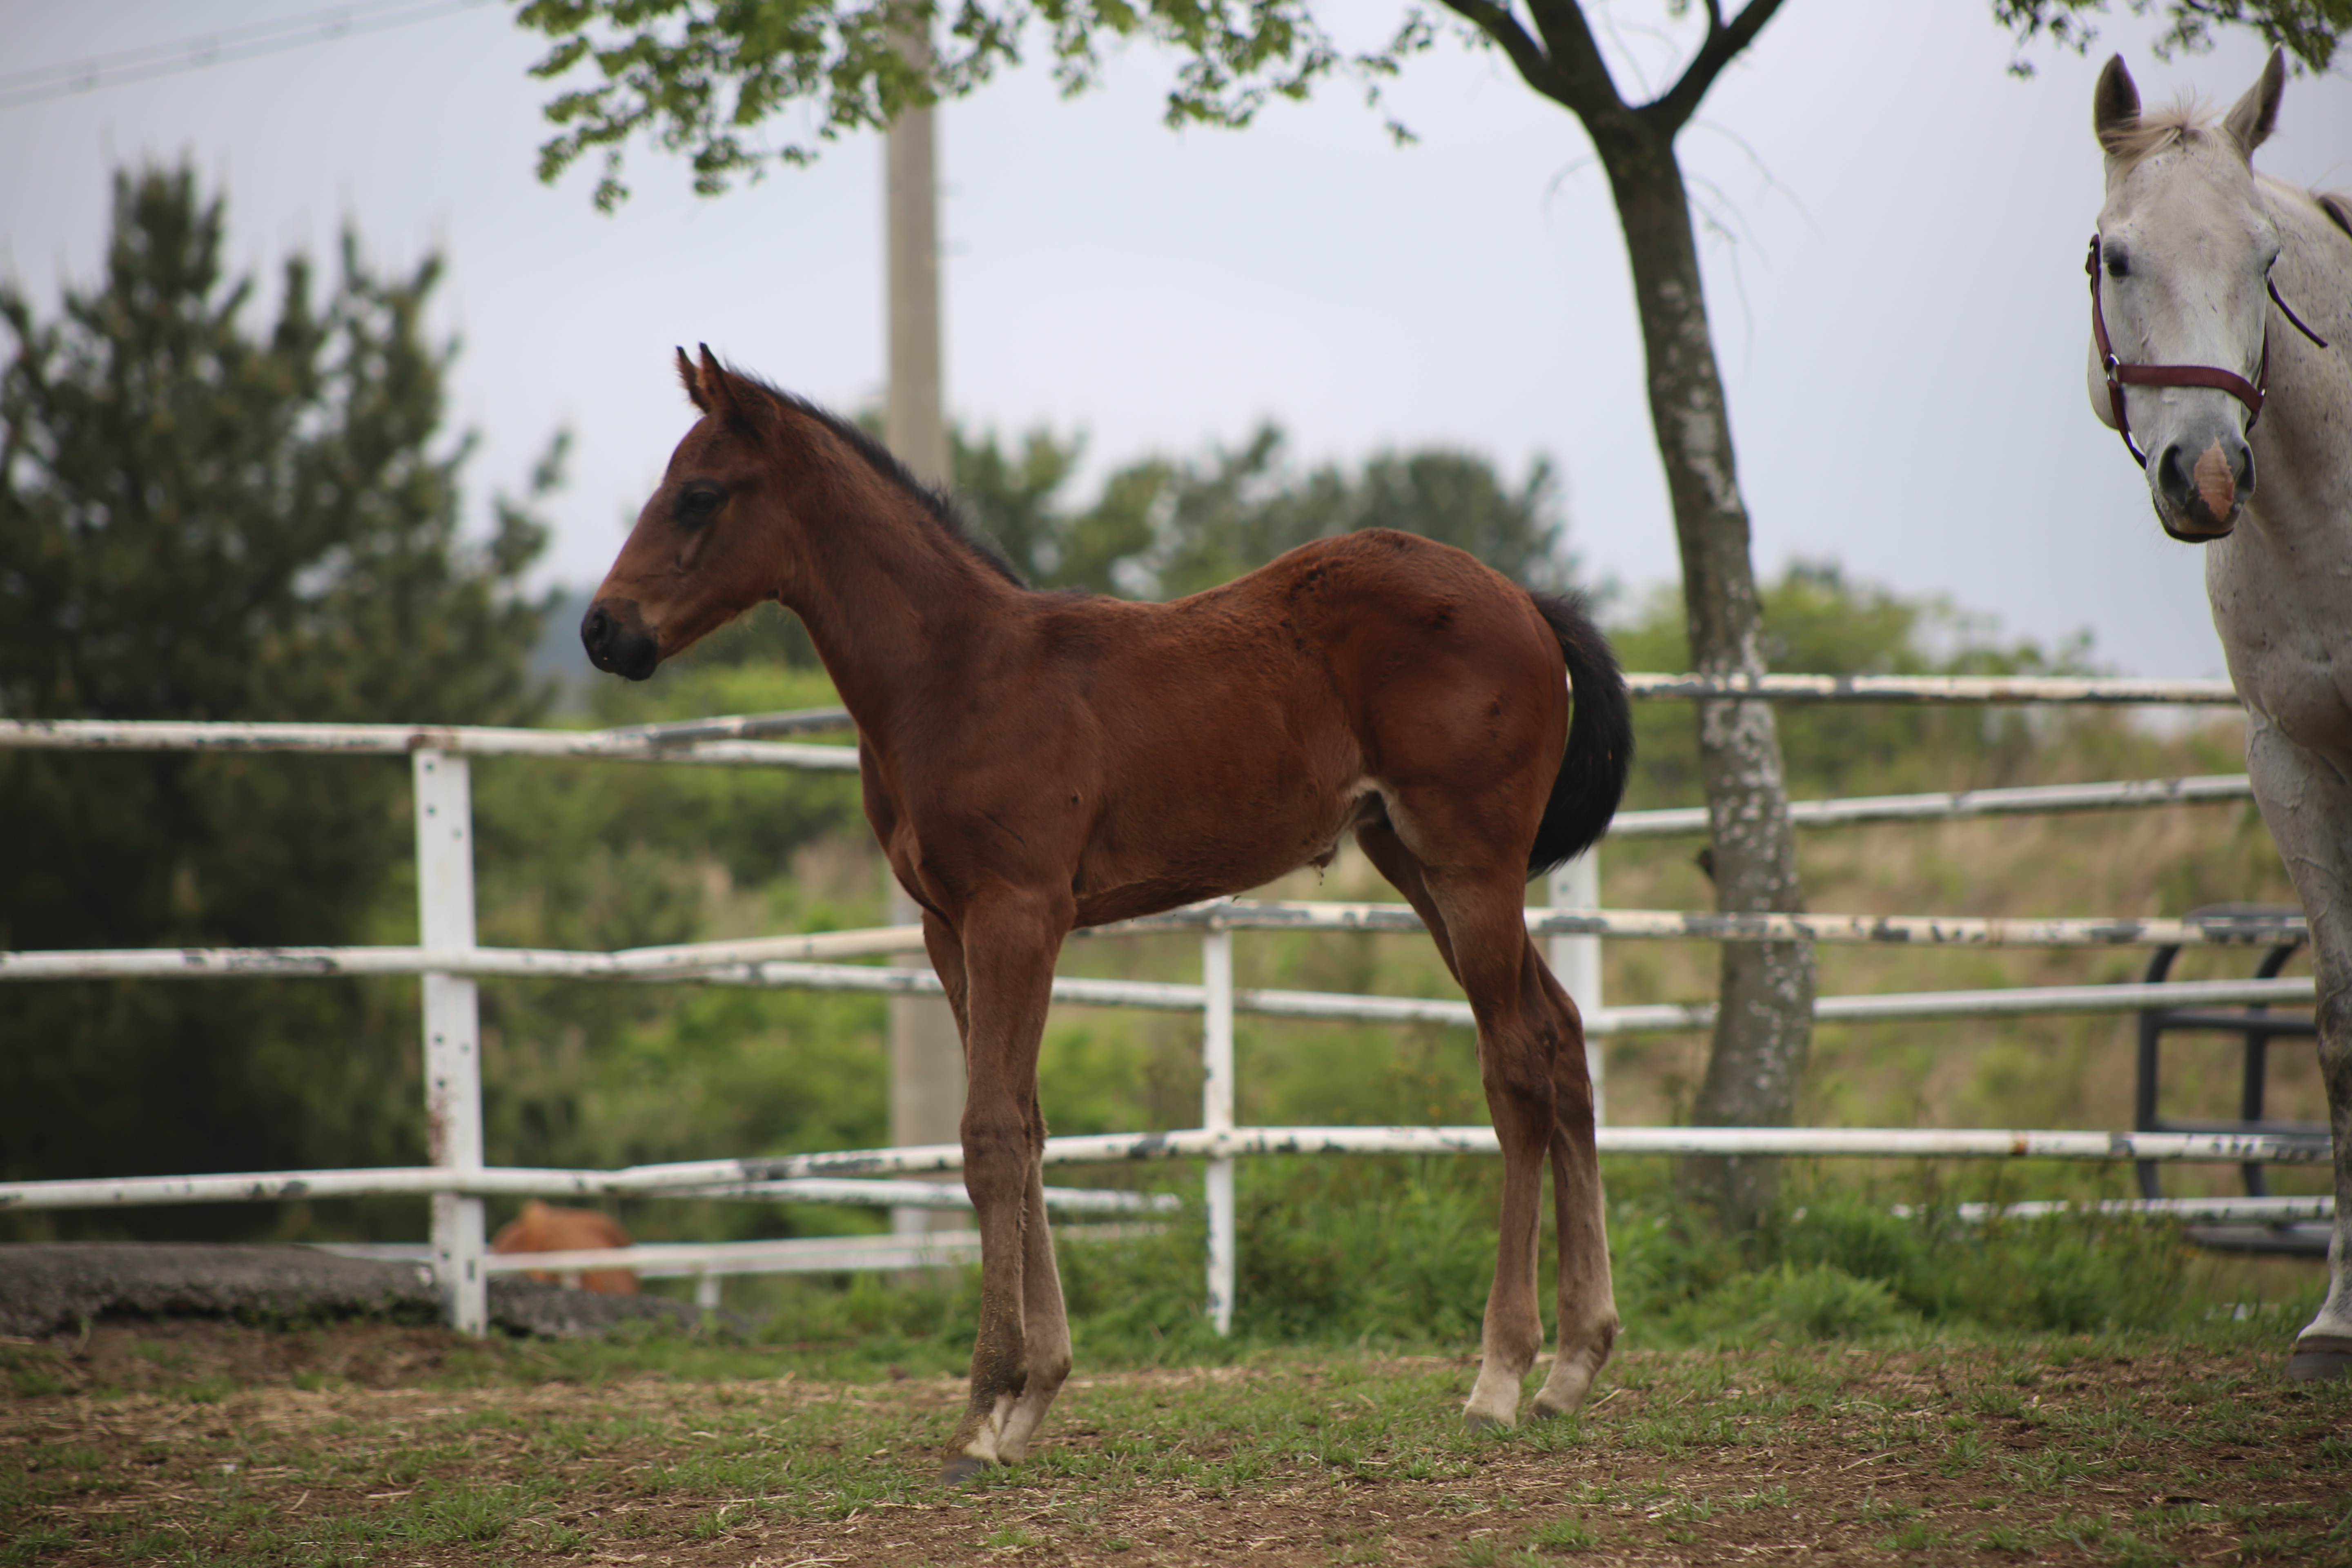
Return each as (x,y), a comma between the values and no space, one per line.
(2120,376)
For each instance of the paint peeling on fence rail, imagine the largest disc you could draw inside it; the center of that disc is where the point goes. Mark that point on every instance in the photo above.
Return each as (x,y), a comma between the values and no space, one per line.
(2268,1210)
(2027,800)
(1175,996)
(772,960)
(1601,1021)
(1932,689)
(733,739)
(758,1177)
(643,743)
(1924,931)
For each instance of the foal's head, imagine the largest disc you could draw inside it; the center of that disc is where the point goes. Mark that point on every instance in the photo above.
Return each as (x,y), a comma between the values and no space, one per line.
(2184,254)
(710,542)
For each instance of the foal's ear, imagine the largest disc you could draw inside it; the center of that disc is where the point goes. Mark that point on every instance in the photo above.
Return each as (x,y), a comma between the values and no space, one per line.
(2255,115)
(693,383)
(2114,105)
(714,390)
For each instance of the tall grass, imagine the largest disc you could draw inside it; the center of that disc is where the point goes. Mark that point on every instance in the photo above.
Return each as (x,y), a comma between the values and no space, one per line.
(1397,1255)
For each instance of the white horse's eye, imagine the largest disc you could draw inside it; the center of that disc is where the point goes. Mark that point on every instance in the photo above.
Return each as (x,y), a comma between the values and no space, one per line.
(2118,264)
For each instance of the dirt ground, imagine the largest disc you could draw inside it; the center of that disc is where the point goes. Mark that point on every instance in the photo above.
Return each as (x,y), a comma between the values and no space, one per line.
(207,1442)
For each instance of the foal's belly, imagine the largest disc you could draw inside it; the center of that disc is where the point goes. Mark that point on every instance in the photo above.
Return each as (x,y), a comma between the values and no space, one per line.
(1133,869)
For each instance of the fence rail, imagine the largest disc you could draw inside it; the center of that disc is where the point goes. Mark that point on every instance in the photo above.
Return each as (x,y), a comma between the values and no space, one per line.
(818,1177)
(642,743)
(754,956)
(704,740)
(2034,800)
(450,962)
(1153,996)
(1938,688)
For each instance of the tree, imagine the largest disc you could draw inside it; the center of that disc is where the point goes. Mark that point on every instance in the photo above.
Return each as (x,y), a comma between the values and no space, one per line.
(2307,29)
(1818,619)
(661,66)
(1164,527)
(198,521)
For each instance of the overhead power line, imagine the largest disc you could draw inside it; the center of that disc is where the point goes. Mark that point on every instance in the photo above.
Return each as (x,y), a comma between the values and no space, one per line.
(257,38)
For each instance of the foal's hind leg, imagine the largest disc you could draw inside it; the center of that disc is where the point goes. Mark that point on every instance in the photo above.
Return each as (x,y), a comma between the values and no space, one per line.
(1474,916)
(1587,1328)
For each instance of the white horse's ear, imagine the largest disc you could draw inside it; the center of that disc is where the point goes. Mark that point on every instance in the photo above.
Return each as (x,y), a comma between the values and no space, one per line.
(2255,116)
(2114,103)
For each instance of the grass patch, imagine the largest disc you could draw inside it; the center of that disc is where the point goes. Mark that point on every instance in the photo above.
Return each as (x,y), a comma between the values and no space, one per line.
(2129,1447)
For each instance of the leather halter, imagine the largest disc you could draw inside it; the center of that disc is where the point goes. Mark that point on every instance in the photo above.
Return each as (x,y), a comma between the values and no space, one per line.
(2120,376)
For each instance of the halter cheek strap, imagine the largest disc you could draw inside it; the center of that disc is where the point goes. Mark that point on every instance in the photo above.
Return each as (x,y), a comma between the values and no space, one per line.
(2120,376)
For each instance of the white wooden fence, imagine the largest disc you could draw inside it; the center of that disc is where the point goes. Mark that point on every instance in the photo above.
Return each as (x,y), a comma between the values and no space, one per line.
(451,964)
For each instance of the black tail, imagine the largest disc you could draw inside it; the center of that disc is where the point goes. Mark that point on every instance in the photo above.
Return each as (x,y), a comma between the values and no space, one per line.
(1599,739)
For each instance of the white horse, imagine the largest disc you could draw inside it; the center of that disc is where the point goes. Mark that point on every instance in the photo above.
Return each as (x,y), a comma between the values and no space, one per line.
(2214,293)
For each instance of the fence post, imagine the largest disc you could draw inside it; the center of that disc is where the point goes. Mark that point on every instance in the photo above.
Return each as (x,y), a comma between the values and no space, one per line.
(453,1080)
(1217,1114)
(1576,960)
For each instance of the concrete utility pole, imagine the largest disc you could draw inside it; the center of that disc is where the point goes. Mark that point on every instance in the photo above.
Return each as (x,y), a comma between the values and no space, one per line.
(926,1055)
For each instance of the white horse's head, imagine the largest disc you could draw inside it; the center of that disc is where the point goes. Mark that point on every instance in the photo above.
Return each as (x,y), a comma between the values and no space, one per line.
(2181,267)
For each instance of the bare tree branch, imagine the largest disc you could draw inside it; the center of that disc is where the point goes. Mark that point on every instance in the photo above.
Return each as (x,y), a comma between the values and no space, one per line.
(1724,41)
(1534,67)
(1576,55)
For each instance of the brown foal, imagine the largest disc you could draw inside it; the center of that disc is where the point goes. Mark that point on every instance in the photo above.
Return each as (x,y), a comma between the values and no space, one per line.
(1037,762)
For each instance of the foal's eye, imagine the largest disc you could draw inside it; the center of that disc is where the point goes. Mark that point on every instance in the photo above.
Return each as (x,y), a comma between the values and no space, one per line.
(699,504)
(2118,264)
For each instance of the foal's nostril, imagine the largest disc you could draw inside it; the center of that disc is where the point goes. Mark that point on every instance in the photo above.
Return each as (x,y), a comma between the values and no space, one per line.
(618,640)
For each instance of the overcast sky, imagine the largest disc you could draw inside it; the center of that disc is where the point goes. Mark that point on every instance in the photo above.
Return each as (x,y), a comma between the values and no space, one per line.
(1896,289)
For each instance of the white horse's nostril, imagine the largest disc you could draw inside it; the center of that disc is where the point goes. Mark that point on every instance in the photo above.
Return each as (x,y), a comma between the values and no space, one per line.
(2217,486)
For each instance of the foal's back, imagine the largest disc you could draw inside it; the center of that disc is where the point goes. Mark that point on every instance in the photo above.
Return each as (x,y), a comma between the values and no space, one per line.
(1237,734)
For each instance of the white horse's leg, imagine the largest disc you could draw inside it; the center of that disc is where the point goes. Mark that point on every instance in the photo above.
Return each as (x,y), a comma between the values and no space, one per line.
(2307,805)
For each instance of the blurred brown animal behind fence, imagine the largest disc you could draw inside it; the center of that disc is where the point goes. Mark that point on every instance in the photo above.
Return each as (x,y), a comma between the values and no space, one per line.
(542,1227)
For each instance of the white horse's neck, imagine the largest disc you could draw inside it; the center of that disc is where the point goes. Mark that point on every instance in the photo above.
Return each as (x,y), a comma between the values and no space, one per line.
(2307,422)
(2279,583)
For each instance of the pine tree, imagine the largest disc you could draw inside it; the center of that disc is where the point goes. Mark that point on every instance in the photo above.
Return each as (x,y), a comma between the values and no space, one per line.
(198,521)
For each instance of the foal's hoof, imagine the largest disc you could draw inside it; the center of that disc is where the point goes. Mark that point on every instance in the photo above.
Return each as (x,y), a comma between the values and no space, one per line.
(964,1468)
(2318,1358)
(1479,1421)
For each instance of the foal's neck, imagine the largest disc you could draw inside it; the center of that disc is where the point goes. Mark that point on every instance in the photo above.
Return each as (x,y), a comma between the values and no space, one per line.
(896,604)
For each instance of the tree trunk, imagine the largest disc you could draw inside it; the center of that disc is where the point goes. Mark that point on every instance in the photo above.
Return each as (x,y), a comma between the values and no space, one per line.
(1763,1028)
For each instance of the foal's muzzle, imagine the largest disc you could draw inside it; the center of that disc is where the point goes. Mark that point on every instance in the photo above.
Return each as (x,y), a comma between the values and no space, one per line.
(618,639)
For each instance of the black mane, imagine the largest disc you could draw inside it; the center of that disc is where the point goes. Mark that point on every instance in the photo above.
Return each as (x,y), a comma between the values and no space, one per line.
(939,502)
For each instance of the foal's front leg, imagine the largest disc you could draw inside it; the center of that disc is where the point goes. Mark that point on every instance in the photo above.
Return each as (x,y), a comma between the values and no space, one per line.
(1045,1322)
(1021,1352)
